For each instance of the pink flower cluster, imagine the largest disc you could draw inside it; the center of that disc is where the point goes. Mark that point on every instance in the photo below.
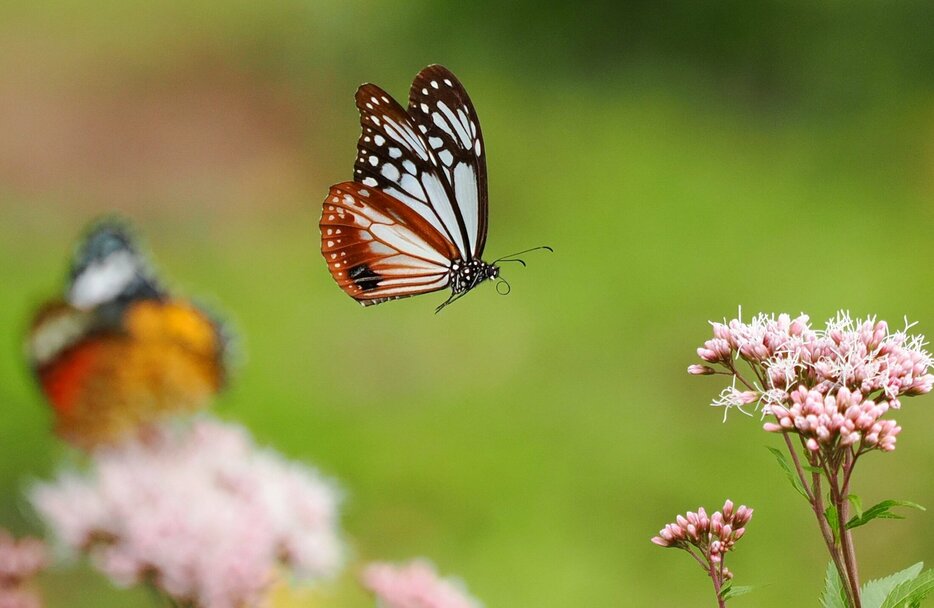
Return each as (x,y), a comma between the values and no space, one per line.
(829,385)
(20,560)
(713,536)
(415,585)
(844,419)
(201,513)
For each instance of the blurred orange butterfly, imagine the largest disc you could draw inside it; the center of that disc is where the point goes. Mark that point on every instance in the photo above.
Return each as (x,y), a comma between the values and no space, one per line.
(118,352)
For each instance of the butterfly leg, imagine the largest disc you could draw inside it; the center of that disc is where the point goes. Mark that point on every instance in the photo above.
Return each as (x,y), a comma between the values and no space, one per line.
(454,297)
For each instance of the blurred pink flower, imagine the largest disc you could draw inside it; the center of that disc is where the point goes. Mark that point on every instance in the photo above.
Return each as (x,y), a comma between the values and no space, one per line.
(201,513)
(830,385)
(415,585)
(19,598)
(20,560)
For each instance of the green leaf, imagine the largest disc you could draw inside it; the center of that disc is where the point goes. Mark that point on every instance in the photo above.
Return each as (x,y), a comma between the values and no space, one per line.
(833,595)
(830,514)
(789,471)
(875,592)
(882,510)
(735,591)
(857,503)
(725,588)
(910,593)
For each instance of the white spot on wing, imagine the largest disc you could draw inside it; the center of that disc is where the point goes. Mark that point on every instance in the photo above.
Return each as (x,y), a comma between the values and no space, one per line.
(390,172)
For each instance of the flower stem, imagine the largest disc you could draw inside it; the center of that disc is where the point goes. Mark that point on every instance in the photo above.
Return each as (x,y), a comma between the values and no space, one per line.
(716,584)
(816,500)
(846,539)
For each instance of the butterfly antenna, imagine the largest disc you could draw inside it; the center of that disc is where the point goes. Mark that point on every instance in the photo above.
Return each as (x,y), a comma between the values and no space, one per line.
(502,284)
(511,258)
(501,260)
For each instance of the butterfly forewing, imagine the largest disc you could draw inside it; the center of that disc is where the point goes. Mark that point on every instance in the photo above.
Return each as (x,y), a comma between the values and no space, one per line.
(379,248)
(394,155)
(443,112)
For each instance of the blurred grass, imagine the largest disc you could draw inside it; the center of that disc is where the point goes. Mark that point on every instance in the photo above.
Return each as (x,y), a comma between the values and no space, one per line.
(531,444)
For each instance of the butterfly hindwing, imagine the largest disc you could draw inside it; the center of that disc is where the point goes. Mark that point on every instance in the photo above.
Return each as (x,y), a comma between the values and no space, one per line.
(440,106)
(378,248)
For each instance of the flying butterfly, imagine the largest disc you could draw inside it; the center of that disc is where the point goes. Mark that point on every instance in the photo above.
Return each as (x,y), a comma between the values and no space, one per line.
(414,218)
(119,352)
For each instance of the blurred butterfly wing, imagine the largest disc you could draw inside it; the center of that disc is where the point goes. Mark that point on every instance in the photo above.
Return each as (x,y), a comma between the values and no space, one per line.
(443,112)
(379,248)
(393,155)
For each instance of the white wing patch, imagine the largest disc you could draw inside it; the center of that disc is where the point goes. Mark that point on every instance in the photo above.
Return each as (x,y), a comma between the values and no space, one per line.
(465,190)
(103,280)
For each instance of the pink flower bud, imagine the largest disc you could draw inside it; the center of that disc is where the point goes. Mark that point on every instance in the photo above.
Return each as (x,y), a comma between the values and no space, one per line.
(728,509)
(701,370)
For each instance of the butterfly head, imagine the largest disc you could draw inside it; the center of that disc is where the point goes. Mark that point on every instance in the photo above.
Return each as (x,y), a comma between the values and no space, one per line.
(107,267)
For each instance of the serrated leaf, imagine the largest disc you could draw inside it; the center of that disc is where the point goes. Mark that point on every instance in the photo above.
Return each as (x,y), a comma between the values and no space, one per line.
(735,591)
(833,595)
(910,593)
(857,503)
(875,592)
(882,510)
(789,471)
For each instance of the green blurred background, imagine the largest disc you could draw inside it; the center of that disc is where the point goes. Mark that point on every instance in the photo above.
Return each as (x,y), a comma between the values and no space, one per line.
(683,158)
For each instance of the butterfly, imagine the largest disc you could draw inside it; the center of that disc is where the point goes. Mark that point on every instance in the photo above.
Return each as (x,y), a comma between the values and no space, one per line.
(118,352)
(414,218)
